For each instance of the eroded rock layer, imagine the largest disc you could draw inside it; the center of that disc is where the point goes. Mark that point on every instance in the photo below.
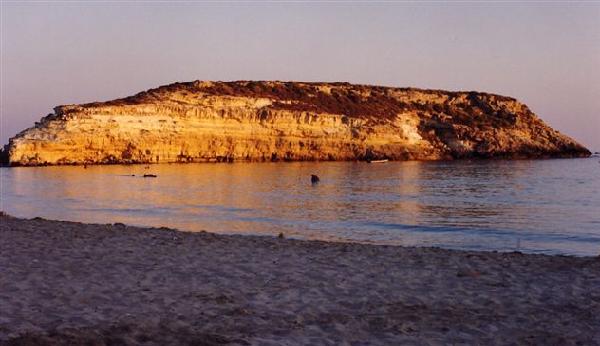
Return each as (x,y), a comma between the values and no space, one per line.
(272,121)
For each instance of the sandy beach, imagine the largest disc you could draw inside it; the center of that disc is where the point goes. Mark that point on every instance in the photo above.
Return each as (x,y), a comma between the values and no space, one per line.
(74,283)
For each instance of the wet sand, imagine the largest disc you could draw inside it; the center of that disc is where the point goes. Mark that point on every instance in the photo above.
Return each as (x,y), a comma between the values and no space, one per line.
(74,283)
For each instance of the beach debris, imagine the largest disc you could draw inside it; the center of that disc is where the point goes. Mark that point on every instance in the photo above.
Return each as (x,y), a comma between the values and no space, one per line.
(314,178)
(242,311)
(150,175)
(468,273)
(223,299)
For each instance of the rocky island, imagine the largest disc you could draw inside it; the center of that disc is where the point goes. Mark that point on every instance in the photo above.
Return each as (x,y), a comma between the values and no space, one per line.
(204,121)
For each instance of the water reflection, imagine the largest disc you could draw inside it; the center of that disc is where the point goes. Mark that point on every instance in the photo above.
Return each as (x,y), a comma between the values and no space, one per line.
(476,205)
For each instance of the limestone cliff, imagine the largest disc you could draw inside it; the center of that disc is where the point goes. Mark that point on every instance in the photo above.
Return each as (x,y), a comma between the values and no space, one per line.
(272,121)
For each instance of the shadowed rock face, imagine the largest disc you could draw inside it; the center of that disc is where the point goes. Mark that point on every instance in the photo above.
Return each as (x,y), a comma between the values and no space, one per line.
(271,121)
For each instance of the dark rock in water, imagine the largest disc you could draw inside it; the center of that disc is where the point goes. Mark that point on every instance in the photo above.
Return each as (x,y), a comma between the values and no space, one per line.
(4,159)
(314,179)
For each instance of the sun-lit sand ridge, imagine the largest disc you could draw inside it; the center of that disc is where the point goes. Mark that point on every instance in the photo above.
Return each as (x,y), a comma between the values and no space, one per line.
(114,284)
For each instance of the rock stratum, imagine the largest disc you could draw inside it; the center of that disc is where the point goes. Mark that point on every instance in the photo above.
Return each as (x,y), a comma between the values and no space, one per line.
(287,121)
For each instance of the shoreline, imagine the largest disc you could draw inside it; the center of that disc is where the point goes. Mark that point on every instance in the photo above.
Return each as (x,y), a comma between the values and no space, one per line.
(111,283)
(507,157)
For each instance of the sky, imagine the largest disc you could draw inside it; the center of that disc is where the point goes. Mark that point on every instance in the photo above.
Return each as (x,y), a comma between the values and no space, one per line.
(546,55)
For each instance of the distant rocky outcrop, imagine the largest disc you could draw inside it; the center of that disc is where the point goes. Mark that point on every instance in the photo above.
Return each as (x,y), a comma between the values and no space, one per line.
(273,121)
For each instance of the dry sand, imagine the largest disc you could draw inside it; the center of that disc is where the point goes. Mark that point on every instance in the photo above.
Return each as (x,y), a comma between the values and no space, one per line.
(74,283)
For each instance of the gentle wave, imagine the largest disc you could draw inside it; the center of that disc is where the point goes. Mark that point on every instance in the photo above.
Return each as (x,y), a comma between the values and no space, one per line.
(538,206)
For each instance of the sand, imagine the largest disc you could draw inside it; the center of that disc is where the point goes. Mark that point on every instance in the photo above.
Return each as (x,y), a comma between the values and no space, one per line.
(74,283)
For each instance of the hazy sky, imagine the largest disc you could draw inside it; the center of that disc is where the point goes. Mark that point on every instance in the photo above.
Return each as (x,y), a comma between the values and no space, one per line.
(544,54)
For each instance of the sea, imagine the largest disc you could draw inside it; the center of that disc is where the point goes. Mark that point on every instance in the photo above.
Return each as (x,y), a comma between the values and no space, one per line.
(533,206)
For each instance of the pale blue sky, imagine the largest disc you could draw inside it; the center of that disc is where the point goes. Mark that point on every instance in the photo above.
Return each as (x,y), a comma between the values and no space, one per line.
(544,54)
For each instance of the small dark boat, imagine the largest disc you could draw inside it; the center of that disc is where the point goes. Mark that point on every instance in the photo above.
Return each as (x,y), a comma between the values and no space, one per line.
(150,176)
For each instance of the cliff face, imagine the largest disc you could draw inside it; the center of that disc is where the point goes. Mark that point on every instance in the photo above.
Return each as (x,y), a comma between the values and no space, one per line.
(271,121)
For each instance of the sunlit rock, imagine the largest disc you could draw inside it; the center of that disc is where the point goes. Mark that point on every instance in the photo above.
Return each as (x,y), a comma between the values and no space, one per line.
(276,121)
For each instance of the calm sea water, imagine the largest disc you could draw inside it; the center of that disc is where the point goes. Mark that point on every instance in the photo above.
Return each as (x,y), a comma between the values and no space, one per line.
(542,206)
